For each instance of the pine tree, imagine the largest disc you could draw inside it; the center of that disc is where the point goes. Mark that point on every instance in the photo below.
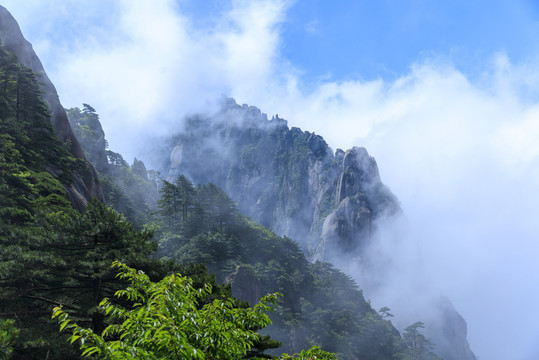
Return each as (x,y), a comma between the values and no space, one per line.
(169,205)
(417,346)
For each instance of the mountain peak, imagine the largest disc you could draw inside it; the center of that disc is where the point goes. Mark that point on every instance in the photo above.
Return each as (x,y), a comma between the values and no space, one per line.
(287,179)
(230,111)
(85,186)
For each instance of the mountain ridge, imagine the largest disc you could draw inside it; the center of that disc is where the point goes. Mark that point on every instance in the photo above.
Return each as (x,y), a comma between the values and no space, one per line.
(287,179)
(292,182)
(85,184)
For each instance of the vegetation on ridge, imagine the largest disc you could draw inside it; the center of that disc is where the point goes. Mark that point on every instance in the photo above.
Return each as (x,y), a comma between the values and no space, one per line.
(52,255)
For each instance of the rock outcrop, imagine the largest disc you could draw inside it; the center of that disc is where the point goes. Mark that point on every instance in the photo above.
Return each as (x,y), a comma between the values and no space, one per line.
(293,183)
(287,179)
(85,184)
(450,331)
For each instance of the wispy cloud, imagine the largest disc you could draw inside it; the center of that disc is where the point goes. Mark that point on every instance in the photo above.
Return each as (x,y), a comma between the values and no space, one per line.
(144,65)
(462,157)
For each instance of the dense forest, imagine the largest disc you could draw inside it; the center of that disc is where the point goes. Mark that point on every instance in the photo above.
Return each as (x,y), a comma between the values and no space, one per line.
(55,257)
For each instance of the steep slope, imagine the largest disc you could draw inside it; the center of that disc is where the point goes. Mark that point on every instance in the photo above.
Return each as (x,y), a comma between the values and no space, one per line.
(131,190)
(292,182)
(85,185)
(287,179)
(451,333)
(320,305)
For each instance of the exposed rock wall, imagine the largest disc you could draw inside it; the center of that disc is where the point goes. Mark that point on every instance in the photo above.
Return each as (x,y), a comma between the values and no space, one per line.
(292,182)
(450,332)
(85,185)
(287,179)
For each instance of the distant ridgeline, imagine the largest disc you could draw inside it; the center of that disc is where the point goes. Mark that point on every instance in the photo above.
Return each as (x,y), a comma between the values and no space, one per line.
(288,180)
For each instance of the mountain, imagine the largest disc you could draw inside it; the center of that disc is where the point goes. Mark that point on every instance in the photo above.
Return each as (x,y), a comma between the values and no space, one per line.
(293,183)
(131,190)
(201,224)
(286,179)
(84,185)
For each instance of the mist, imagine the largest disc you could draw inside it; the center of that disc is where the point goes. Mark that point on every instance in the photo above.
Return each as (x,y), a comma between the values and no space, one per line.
(144,66)
(459,151)
(464,166)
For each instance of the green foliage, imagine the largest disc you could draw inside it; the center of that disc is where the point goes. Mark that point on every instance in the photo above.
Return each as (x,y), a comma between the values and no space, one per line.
(34,166)
(385,312)
(416,345)
(321,306)
(25,118)
(63,258)
(88,131)
(314,353)
(8,334)
(165,322)
(52,255)
(187,210)
(35,169)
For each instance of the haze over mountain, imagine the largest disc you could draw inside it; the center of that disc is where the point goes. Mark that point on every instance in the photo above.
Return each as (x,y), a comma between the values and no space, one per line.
(333,204)
(458,147)
(53,254)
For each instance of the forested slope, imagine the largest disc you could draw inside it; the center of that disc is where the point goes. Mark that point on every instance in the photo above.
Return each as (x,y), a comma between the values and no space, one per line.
(54,255)
(50,253)
(202,224)
(84,185)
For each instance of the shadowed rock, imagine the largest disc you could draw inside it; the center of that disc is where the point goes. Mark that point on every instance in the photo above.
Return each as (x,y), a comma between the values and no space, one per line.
(293,183)
(287,179)
(85,184)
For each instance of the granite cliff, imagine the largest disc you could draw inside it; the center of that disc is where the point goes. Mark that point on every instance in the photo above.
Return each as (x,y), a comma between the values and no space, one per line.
(287,179)
(85,184)
(292,182)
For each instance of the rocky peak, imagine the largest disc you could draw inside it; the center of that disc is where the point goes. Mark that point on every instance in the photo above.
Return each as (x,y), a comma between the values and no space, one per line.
(244,115)
(360,173)
(292,182)
(85,185)
(285,178)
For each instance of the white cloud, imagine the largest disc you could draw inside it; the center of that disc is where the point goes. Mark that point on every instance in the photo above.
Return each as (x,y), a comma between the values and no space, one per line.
(150,66)
(464,161)
(463,158)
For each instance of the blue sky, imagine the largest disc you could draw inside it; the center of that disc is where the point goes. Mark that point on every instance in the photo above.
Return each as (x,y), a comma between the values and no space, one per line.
(444,94)
(372,39)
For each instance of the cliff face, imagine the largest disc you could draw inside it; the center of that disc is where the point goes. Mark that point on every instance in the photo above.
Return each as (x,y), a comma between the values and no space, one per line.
(450,333)
(87,129)
(130,190)
(85,185)
(289,180)
(292,182)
